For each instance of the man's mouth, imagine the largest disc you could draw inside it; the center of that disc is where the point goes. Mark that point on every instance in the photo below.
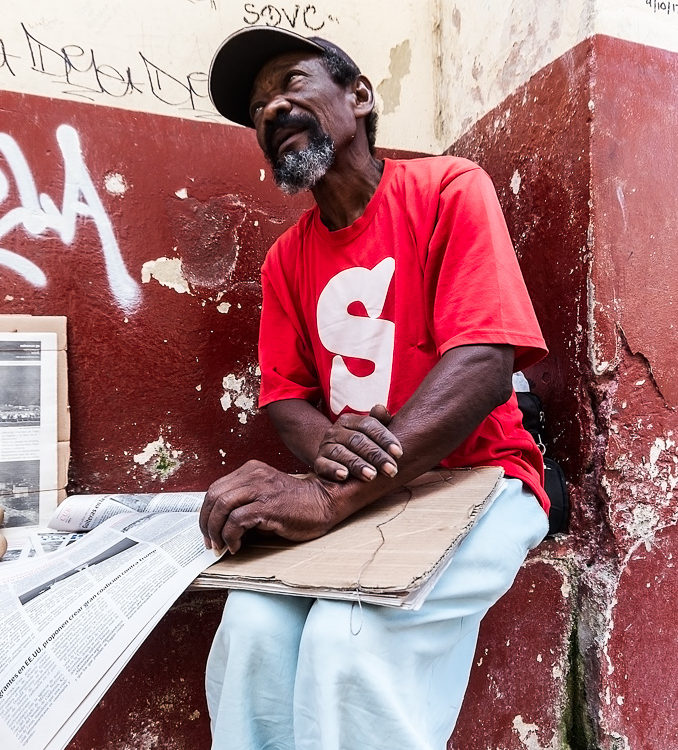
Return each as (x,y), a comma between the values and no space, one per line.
(283,139)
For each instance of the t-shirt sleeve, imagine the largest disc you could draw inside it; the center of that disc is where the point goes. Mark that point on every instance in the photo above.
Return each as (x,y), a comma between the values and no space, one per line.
(285,361)
(473,282)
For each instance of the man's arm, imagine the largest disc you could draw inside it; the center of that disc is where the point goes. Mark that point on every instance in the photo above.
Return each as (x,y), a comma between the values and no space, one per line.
(356,444)
(465,385)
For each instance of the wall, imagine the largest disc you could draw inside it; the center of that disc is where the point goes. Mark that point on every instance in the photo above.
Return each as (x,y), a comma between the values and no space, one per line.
(582,154)
(127,205)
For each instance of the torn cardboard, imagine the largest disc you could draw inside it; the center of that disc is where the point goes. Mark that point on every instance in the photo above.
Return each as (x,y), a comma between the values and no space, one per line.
(391,552)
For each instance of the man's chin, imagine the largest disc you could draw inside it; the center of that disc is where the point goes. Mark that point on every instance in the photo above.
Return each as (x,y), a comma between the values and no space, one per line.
(297,170)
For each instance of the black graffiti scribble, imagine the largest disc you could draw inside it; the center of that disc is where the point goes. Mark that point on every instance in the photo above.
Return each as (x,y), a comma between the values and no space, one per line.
(272,15)
(83,75)
(4,58)
(172,90)
(662,6)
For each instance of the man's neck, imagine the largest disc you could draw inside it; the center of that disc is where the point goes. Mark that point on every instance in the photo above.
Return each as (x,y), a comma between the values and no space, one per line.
(344,192)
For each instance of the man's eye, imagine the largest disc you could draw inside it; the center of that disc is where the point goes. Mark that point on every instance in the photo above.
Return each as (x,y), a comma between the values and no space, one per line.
(255,109)
(292,77)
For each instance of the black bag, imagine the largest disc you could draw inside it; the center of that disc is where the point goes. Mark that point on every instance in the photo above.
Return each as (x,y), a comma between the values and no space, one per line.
(534,421)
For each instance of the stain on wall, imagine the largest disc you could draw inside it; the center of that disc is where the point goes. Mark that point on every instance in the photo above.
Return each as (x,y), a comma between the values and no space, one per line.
(389,89)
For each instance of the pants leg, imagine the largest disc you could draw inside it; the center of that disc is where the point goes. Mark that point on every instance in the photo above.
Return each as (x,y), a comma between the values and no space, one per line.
(378,678)
(289,673)
(251,671)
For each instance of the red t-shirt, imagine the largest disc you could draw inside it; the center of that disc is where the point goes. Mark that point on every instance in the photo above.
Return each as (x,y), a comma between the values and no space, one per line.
(359,316)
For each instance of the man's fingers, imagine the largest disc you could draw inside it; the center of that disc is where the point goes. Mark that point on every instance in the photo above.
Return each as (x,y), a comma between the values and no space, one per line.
(205,511)
(224,486)
(360,456)
(380,412)
(239,521)
(218,507)
(330,470)
(376,430)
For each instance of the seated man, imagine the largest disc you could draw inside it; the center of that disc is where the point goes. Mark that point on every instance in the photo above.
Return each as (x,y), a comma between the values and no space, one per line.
(398,294)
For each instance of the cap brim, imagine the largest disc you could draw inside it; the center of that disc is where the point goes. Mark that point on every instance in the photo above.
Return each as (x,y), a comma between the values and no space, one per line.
(238,61)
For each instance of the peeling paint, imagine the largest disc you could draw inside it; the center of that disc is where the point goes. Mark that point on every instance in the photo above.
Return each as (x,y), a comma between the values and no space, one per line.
(224,307)
(515,182)
(643,525)
(182,194)
(528,735)
(167,272)
(159,458)
(390,88)
(599,365)
(115,184)
(241,392)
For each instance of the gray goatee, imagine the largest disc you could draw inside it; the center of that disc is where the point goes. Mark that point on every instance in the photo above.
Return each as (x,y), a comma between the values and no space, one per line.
(301,170)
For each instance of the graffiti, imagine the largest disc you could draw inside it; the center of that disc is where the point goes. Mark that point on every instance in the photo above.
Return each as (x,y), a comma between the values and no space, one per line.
(4,58)
(662,6)
(38,214)
(272,15)
(82,74)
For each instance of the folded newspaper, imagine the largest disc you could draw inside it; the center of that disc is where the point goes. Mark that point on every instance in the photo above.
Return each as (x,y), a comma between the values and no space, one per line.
(71,619)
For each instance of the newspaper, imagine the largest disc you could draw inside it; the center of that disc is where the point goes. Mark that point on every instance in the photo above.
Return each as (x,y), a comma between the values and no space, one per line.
(85,512)
(71,619)
(29,479)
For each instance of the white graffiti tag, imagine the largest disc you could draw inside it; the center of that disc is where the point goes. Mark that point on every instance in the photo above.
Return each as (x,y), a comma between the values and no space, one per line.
(39,213)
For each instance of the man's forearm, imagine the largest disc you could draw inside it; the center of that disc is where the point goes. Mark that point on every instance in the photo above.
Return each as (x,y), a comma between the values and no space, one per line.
(457,394)
(300,425)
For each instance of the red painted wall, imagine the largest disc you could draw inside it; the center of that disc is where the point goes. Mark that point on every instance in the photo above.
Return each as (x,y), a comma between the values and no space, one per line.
(635,171)
(593,138)
(134,365)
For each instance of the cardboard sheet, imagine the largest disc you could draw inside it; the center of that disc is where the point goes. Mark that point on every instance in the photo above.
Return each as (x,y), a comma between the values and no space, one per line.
(391,552)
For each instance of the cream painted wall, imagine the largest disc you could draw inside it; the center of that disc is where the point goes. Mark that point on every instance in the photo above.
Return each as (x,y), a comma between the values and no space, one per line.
(437,65)
(153,55)
(491,47)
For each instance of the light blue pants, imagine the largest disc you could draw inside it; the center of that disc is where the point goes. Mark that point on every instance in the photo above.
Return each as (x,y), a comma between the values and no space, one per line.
(296,673)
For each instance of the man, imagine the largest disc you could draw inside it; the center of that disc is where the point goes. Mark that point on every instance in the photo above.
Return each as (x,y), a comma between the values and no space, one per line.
(398,294)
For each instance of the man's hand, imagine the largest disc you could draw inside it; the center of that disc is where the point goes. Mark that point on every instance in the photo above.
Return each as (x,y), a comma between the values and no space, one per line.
(358,445)
(257,496)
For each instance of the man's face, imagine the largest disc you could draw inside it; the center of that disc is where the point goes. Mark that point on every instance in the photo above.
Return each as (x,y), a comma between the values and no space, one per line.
(301,117)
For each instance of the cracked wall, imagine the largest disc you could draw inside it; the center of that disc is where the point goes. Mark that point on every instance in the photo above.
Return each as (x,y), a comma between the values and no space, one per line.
(583,160)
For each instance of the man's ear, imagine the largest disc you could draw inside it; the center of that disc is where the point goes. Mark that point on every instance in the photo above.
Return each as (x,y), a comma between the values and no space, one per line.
(364,97)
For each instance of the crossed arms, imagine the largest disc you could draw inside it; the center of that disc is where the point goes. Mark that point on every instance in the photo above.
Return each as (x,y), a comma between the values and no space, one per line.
(357,459)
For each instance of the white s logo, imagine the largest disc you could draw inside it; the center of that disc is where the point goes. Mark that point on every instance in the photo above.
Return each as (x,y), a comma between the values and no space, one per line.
(348,335)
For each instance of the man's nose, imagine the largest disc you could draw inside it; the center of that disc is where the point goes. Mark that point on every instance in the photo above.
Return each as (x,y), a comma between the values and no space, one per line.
(275,106)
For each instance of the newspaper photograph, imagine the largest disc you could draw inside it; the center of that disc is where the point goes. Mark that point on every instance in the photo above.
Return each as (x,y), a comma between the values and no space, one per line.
(70,619)
(28,429)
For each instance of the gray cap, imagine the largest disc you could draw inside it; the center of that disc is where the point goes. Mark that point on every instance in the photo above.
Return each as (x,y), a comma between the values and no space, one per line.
(243,54)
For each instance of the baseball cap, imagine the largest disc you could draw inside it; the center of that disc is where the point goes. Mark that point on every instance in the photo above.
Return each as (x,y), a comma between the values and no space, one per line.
(243,54)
